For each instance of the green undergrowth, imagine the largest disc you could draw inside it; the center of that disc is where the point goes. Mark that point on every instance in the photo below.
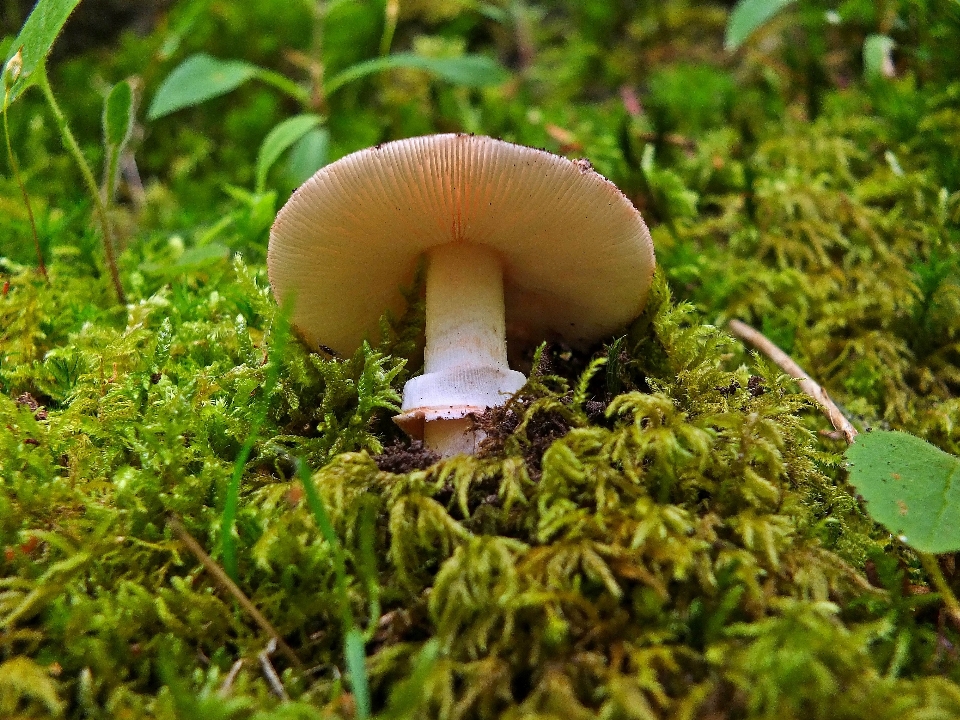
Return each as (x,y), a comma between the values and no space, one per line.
(657,527)
(848,260)
(680,550)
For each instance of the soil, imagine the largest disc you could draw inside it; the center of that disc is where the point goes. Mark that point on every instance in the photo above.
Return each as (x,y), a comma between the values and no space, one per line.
(401,458)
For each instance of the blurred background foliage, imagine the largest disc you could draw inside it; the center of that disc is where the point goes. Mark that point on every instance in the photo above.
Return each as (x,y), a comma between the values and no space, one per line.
(787,183)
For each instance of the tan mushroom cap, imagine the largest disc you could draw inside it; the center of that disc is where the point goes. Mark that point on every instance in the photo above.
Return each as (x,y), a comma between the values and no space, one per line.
(577,257)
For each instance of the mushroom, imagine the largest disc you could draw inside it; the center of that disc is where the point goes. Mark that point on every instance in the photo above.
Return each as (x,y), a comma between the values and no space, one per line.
(520,244)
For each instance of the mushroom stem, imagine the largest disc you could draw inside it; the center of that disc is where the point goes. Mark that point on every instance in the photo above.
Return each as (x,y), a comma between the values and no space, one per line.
(465,311)
(465,359)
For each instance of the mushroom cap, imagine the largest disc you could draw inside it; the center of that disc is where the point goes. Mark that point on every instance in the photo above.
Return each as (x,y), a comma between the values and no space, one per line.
(577,257)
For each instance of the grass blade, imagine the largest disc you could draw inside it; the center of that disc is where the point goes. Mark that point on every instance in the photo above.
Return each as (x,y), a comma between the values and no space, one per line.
(748,16)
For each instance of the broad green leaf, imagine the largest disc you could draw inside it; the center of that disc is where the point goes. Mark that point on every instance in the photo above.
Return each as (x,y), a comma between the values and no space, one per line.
(197,79)
(469,70)
(36,38)
(747,16)
(876,56)
(278,140)
(118,115)
(309,154)
(911,488)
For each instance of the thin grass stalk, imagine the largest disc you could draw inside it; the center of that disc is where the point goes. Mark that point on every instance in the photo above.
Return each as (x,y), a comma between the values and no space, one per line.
(15,169)
(70,143)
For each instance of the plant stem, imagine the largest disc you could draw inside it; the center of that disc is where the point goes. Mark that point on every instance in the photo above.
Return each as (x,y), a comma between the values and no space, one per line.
(70,142)
(284,84)
(230,586)
(932,567)
(807,383)
(15,169)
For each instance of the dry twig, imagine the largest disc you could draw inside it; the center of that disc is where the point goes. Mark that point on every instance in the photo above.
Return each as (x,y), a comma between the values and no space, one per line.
(269,672)
(807,383)
(229,679)
(230,586)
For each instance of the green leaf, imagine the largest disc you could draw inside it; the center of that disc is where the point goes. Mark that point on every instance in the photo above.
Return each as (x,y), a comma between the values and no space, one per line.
(747,16)
(118,115)
(35,40)
(911,488)
(309,154)
(278,140)
(469,70)
(197,79)
(118,119)
(194,259)
(876,56)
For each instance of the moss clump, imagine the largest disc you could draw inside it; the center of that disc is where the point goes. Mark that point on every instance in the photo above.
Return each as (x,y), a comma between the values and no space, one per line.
(680,551)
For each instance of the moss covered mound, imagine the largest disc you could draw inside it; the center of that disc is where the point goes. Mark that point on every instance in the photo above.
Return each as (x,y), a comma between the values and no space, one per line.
(678,549)
(656,528)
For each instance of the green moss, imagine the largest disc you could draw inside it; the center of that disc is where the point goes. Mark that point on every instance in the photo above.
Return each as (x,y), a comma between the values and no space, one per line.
(656,527)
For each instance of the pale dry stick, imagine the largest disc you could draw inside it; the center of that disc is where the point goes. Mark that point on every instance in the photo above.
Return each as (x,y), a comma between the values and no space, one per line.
(843,426)
(807,383)
(228,680)
(270,672)
(221,577)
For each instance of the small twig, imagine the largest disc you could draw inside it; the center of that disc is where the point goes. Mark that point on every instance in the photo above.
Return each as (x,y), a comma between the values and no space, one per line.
(231,676)
(807,383)
(269,672)
(843,426)
(223,579)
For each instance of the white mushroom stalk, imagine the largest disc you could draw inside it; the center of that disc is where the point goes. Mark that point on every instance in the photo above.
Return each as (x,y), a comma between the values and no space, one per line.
(465,359)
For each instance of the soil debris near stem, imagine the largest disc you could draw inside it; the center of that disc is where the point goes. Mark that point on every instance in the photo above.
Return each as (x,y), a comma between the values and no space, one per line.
(499,423)
(400,458)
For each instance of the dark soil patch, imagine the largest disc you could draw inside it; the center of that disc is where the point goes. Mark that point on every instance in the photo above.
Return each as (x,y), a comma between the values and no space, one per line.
(400,458)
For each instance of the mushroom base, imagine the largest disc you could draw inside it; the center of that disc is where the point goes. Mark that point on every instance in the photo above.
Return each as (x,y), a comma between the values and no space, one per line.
(452,437)
(436,405)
